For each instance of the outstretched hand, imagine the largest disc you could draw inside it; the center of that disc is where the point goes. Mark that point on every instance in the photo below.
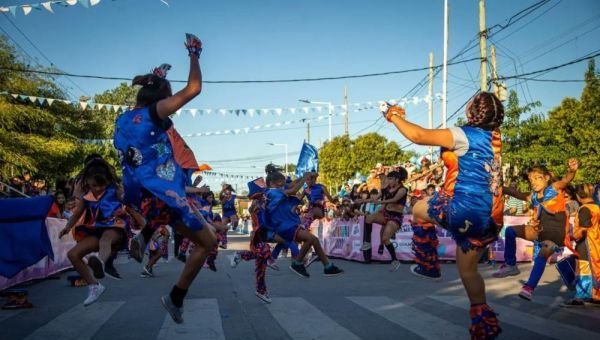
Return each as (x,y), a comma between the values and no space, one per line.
(573,164)
(193,45)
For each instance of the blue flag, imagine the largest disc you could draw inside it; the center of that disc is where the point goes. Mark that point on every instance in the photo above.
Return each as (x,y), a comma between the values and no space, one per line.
(23,236)
(308,160)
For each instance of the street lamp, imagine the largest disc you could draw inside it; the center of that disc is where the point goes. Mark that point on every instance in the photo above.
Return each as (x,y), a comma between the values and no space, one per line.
(329,106)
(286,154)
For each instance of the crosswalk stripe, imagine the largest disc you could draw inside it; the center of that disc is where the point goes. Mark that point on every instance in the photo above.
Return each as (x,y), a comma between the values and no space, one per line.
(315,324)
(78,322)
(549,328)
(5,314)
(202,321)
(554,302)
(422,323)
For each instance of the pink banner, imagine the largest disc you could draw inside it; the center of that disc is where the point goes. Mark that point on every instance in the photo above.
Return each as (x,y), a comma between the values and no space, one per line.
(46,267)
(344,239)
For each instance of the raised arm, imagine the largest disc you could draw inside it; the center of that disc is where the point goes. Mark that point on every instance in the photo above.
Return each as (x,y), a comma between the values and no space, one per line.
(564,182)
(417,134)
(168,106)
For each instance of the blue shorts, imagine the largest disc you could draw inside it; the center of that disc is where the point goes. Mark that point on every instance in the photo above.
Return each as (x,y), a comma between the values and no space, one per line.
(229,213)
(466,217)
(288,235)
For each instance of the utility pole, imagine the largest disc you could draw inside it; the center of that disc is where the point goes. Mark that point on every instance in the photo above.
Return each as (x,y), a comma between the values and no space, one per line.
(482,46)
(445,68)
(308,131)
(494,71)
(346,123)
(430,104)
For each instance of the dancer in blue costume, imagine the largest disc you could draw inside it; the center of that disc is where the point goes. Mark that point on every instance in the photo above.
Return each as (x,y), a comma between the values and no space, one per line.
(471,204)
(148,161)
(100,222)
(283,217)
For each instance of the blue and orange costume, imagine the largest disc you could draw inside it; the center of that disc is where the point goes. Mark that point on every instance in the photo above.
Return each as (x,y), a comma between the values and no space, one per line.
(316,199)
(471,204)
(102,213)
(148,161)
(588,250)
(229,207)
(283,218)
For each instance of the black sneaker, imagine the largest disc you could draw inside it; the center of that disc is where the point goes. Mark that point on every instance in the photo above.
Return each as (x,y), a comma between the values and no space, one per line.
(299,269)
(147,272)
(97,267)
(111,271)
(211,266)
(181,257)
(380,249)
(332,271)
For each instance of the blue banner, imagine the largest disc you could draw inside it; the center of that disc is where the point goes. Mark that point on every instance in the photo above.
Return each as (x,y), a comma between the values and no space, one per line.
(308,161)
(23,236)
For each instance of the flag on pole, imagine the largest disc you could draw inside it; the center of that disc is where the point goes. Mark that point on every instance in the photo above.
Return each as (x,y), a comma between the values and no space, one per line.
(308,161)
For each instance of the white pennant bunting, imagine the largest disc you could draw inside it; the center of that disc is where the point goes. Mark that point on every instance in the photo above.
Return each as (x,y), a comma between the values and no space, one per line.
(193,112)
(48,6)
(246,129)
(99,106)
(83,105)
(26,9)
(71,2)
(50,101)
(94,2)
(32,99)
(279,111)
(178,112)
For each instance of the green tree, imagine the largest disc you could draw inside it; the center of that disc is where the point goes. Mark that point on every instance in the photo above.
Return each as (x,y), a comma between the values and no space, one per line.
(341,158)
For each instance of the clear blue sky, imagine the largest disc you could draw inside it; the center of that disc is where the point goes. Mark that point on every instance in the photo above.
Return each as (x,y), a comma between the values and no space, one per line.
(277,39)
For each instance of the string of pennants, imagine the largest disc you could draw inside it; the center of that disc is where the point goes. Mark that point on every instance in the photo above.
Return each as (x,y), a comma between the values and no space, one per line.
(47,5)
(355,107)
(41,101)
(232,176)
(244,130)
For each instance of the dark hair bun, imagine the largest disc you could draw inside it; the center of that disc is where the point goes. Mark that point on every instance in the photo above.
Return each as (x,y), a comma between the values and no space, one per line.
(271,169)
(147,80)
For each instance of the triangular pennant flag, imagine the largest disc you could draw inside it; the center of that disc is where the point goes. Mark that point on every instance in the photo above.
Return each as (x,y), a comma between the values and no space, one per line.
(237,112)
(246,129)
(236,131)
(278,111)
(287,122)
(26,9)
(68,102)
(226,132)
(13,10)
(32,98)
(50,101)
(208,111)
(217,132)
(109,107)
(319,109)
(222,111)
(83,105)
(14,95)
(243,111)
(41,100)
(305,109)
(99,106)
(178,112)
(85,3)
(193,112)
(267,125)
(71,2)
(48,6)
(94,2)
(251,112)
(293,110)
(263,111)
(416,100)
(277,124)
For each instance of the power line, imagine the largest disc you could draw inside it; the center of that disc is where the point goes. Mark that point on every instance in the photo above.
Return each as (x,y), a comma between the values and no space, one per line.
(243,81)
(552,80)
(590,55)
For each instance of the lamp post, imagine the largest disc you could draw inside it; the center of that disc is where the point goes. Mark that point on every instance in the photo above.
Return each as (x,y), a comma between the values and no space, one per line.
(286,155)
(329,109)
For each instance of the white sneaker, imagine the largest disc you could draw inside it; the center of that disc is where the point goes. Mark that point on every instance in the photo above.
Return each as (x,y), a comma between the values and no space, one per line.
(395,265)
(365,246)
(273,264)
(235,259)
(506,270)
(94,293)
(263,297)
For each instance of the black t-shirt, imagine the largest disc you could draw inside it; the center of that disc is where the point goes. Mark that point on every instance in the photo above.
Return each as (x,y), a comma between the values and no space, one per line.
(585,221)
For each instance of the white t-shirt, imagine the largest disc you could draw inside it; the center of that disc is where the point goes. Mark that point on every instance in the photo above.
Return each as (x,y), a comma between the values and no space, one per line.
(461,143)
